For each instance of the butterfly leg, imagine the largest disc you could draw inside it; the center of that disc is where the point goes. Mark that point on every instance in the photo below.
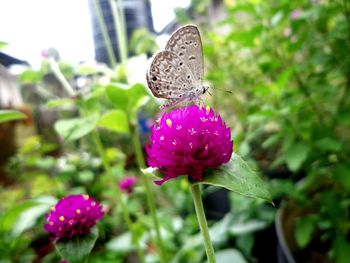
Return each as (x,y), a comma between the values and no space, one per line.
(170,103)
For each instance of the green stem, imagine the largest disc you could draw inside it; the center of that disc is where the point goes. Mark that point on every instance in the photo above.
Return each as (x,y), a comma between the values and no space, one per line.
(118,17)
(106,38)
(118,195)
(58,74)
(149,196)
(196,195)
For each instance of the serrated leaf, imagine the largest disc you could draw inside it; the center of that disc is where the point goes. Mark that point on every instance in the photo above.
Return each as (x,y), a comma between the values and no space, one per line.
(238,177)
(11,115)
(75,128)
(115,120)
(76,249)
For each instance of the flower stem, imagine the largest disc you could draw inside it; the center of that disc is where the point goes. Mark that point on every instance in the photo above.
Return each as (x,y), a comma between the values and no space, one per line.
(120,31)
(150,200)
(196,195)
(118,195)
(104,31)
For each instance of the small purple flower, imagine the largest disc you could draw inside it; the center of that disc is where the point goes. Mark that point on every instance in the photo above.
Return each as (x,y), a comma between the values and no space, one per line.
(296,13)
(73,215)
(127,184)
(188,140)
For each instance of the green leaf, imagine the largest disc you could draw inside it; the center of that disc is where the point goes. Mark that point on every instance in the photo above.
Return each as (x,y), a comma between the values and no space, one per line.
(28,218)
(238,177)
(247,227)
(30,76)
(73,129)
(10,217)
(341,249)
(304,229)
(229,255)
(136,95)
(117,95)
(342,175)
(115,120)
(77,248)
(24,215)
(128,99)
(11,115)
(59,102)
(3,44)
(329,144)
(121,243)
(296,154)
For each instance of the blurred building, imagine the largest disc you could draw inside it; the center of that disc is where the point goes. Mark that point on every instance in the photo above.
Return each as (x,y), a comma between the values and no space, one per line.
(10,98)
(137,15)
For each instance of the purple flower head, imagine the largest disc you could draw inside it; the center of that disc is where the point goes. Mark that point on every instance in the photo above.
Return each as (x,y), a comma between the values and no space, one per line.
(188,140)
(73,215)
(127,184)
(296,13)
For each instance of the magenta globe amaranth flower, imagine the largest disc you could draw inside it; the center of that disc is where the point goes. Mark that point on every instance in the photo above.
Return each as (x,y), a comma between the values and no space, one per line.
(127,184)
(73,215)
(188,140)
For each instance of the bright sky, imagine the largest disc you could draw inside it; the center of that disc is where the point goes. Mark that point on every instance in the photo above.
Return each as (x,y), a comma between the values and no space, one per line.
(30,26)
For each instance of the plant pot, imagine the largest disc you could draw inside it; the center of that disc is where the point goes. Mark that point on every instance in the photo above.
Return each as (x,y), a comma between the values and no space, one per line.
(287,248)
(284,254)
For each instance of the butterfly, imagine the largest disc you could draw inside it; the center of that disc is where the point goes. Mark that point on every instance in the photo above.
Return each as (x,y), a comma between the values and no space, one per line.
(176,74)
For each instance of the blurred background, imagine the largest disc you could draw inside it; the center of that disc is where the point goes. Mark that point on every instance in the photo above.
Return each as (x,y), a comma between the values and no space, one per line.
(70,69)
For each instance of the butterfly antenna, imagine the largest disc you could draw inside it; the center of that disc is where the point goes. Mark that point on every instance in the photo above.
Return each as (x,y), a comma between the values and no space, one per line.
(224,90)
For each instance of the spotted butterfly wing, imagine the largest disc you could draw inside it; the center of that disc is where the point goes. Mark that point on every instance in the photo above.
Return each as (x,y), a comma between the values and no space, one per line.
(187,44)
(169,77)
(176,73)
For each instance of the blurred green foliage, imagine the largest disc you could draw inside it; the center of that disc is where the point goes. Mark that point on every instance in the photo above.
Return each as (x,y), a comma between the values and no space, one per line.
(287,64)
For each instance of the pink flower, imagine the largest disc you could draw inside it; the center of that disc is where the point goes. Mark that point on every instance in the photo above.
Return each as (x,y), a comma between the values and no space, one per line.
(296,13)
(127,184)
(73,215)
(187,141)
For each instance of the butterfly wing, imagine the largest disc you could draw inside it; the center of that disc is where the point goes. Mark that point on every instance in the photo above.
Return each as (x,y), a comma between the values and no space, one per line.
(186,43)
(169,77)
